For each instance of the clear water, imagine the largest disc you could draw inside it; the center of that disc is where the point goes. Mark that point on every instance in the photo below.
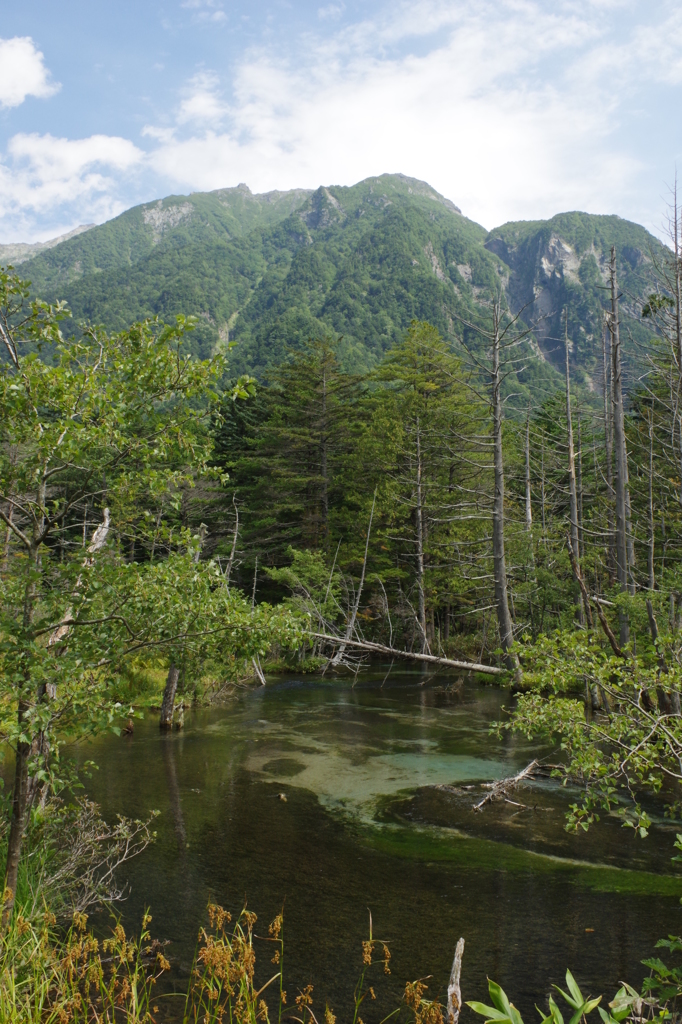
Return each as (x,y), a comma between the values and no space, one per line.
(364,827)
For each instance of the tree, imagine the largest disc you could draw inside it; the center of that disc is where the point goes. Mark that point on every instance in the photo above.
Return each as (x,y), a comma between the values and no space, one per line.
(421,453)
(93,425)
(625,557)
(282,453)
(501,334)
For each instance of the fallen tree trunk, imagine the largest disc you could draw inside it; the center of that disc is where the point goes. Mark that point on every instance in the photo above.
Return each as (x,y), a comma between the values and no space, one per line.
(431,659)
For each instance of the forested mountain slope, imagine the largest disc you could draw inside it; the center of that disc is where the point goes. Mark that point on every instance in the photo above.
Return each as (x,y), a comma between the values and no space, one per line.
(268,271)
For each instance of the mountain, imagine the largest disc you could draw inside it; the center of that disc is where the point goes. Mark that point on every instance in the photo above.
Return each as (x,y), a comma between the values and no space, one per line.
(563,263)
(267,271)
(18,252)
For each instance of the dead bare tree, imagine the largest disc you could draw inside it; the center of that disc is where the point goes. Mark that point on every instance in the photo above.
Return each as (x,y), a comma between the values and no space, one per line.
(529,507)
(608,444)
(573,495)
(336,660)
(624,540)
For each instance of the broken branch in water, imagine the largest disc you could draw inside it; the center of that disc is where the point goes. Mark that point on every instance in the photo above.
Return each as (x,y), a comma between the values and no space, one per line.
(431,659)
(503,787)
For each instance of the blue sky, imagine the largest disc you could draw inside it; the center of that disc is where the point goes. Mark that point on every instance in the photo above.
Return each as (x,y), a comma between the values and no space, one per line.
(514,109)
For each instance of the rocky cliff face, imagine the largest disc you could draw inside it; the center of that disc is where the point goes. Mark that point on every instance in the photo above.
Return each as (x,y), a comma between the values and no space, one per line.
(564,264)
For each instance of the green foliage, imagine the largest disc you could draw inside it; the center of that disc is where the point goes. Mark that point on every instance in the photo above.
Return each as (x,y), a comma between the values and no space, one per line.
(268,272)
(504,1012)
(107,427)
(501,1011)
(628,745)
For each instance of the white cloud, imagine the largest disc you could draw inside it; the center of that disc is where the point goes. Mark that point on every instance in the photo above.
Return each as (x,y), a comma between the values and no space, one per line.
(23,72)
(44,176)
(202,102)
(512,108)
(475,115)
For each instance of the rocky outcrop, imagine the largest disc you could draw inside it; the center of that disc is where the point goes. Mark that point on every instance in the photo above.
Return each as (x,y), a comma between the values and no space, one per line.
(161,218)
(322,209)
(541,267)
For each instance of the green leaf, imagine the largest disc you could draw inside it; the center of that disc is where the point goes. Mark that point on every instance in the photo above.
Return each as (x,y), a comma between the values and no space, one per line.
(573,1003)
(490,1012)
(499,998)
(591,1004)
(573,989)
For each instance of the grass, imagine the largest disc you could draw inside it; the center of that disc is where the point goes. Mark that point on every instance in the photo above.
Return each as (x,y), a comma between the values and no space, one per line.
(76,978)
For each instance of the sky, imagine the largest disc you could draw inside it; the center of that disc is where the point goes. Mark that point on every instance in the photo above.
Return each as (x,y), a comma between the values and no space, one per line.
(514,109)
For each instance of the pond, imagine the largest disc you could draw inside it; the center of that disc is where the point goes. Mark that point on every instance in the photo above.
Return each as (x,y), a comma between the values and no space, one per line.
(334,801)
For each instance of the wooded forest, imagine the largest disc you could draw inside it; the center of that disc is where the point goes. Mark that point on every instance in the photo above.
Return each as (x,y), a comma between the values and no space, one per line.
(161,515)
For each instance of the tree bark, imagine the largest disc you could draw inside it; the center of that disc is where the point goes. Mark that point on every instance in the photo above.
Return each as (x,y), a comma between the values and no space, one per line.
(168,703)
(504,619)
(573,496)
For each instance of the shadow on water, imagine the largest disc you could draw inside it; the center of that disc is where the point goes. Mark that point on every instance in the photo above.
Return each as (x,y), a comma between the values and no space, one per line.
(364,825)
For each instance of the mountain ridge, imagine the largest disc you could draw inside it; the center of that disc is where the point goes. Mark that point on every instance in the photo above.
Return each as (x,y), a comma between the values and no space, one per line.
(268,270)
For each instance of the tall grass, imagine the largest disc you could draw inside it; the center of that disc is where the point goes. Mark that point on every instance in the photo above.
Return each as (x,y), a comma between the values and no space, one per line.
(75,978)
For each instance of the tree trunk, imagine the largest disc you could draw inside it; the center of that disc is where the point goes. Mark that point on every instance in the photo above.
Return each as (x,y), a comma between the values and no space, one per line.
(608,445)
(500,567)
(351,621)
(8,534)
(168,703)
(579,483)
(542,489)
(678,307)
(16,832)
(323,465)
(420,547)
(573,495)
(620,451)
(529,507)
(678,284)
(652,536)
(23,752)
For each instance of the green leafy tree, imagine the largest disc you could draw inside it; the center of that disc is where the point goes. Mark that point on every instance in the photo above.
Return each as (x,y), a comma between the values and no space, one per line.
(97,423)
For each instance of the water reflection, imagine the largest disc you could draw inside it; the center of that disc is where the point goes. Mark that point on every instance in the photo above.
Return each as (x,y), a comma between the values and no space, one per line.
(168,745)
(364,825)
